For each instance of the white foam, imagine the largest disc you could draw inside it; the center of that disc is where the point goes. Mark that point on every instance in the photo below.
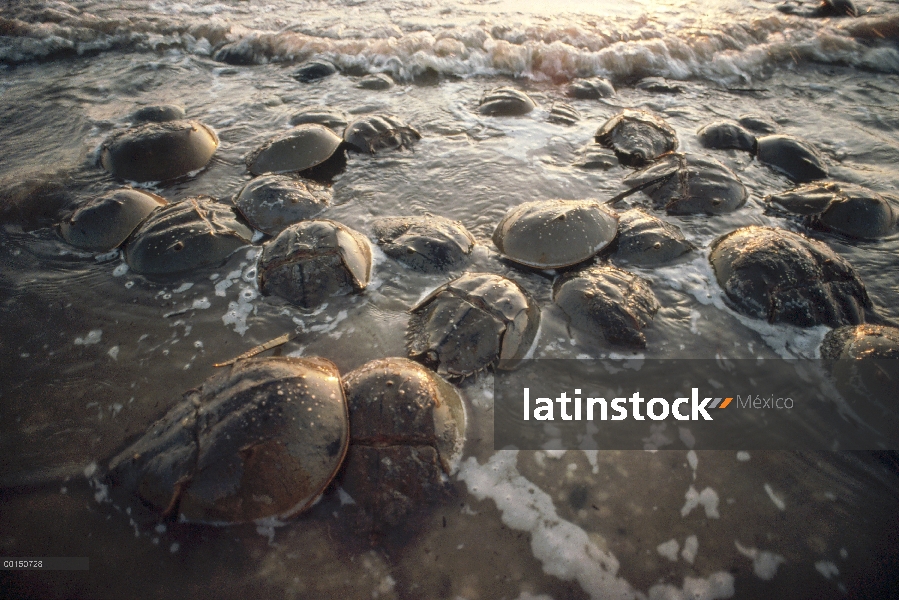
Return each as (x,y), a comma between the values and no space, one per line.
(239,310)
(345,498)
(708,499)
(778,502)
(564,549)
(693,461)
(620,43)
(92,337)
(827,568)
(743,456)
(669,549)
(593,458)
(718,585)
(107,256)
(764,563)
(691,549)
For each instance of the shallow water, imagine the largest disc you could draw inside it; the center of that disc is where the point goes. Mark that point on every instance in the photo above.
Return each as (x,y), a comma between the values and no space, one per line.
(92,353)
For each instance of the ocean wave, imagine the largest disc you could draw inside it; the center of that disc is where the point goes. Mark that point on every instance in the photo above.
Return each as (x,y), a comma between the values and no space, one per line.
(558,51)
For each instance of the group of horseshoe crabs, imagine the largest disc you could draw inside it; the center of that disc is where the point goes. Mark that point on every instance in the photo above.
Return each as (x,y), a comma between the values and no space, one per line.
(266,437)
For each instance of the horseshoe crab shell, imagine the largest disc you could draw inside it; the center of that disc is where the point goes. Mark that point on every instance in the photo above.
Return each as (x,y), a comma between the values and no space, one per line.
(184,236)
(795,158)
(258,440)
(784,277)
(861,341)
(688,184)
(158,113)
(313,260)
(159,151)
(757,123)
(595,156)
(563,114)
(826,8)
(637,137)
(332,119)
(474,322)
(645,240)
(659,85)
(506,102)
(863,361)
(106,222)
(374,133)
(376,81)
(408,428)
(722,135)
(301,148)
(272,202)
(548,234)
(590,89)
(844,208)
(314,70)
(609,302)
(429,243)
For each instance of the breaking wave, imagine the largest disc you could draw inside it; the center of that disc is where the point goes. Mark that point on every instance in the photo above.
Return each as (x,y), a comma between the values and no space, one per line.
(621,49)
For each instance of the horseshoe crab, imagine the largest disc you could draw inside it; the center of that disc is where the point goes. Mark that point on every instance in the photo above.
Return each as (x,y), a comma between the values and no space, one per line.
(757,123)
(376,81)
(563,114)
(429,243)
(688,184)
(158,151)
(332,119)
(301,148)
(590,89)
(314,70)
(637,137)
(595,156)
(607,301)
(237,53)
(793,157)
(506,102)
(158,113)
(784,277)
(826,8)
(645,240)
(408,427)
(272,202)
(374,133)
(861,341)
(658,85)
(185,236)
(477,321)
(106,222)
(548,234)
(313,260)
(722,135)
(258,440)
(844,208)
(864,364)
